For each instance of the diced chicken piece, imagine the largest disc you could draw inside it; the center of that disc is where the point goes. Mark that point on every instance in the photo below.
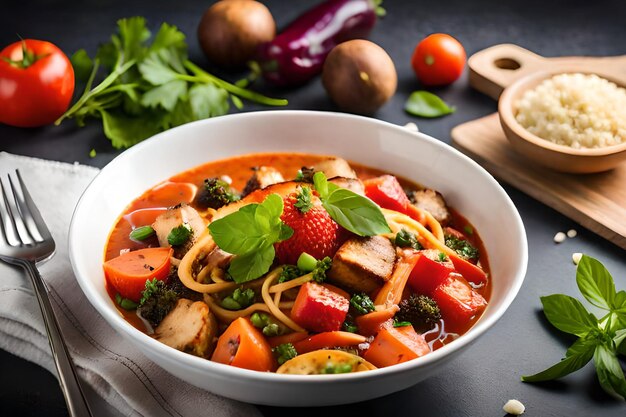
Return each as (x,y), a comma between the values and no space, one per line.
(363,264)
(175,217)
(189,327)
(335,167)
(352,184)
(433,202)
(261,178)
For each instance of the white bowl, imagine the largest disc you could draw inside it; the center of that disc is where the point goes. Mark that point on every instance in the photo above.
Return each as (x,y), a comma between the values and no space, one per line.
(465,185)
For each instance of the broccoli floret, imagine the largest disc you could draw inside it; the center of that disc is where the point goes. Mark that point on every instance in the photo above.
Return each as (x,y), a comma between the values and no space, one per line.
(288,273)
(362,303)
(405,239)
(215,193)
(305,174)
(157,300)
(461,246)
(239,299)
(319,273)
(420,310)
(284,352)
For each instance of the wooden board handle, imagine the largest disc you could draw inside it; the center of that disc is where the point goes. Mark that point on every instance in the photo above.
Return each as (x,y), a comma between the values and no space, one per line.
(495,68)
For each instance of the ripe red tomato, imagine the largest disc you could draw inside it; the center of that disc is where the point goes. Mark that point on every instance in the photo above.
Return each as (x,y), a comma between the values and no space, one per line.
(438,59)
(36,83)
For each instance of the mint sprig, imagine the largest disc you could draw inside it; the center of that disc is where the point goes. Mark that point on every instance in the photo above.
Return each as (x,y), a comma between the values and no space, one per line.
(250,233)
(601,339)
(354,212)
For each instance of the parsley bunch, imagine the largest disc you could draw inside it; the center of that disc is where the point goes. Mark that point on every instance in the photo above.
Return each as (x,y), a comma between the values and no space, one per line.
(601,339)
(150,86)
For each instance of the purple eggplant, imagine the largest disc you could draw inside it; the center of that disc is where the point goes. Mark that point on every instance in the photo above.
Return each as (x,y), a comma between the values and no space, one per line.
(297,54)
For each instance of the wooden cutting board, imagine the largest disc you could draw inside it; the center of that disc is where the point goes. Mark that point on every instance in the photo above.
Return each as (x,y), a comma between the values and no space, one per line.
(596,201)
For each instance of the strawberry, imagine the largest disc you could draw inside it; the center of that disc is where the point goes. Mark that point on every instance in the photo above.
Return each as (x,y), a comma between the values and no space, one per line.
(314,232)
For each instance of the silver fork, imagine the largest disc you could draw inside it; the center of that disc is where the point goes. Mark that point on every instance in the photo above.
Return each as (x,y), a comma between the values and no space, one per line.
(24,241)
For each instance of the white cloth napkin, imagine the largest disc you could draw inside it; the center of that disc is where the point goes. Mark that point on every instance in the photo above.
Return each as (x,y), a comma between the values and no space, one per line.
(118,372)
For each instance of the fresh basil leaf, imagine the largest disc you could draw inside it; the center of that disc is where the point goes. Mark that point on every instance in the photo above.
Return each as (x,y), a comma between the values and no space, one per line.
(208,100)
(356,213)
(239,233)
(595,283)
(568,314)
(577,356)
(244,268)
(285,232)
(610,373)
(424,104)
(620,336)
(166,95)
(321,184)
(82,64)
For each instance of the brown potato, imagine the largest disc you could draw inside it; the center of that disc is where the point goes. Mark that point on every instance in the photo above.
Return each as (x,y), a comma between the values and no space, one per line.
(231,30)
(359,76)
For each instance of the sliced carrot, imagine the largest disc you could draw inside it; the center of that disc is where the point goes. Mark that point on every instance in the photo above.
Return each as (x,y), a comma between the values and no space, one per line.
(287,338)
(144,217)
(172,193)
(243,345)
(394,345)
(369,324)
(129,272)
(391,292)
(328,340)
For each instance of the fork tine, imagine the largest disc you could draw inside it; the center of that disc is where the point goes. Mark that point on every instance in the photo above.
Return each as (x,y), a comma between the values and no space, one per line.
(26,206)
(8,226)
(17,215)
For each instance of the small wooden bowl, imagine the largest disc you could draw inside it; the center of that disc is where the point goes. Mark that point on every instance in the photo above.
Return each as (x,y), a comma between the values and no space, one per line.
(507,71)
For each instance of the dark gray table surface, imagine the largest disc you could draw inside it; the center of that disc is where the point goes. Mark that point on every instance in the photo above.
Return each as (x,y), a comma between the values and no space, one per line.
(482,379)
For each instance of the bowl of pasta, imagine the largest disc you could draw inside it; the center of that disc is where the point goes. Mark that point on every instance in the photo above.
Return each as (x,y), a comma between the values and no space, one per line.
(297,258)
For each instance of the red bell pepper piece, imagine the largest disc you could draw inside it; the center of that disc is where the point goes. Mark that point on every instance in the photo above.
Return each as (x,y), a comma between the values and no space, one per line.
(458,301)
(319,309)
(470,272)
(394,345)
(387,192)
(428,274)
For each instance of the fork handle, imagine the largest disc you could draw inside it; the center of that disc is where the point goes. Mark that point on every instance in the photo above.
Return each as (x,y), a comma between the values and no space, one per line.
(68,379)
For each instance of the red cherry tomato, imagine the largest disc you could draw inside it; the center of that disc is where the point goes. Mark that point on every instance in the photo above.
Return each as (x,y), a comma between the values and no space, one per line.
(36,83)
(438,59)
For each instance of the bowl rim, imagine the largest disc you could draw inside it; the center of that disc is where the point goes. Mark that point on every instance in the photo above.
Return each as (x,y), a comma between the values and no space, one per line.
(506,110)
(120,325)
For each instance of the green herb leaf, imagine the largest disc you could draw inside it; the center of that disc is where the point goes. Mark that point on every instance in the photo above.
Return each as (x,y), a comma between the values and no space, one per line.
(405,239)
(82,64)
(179,235)
(568,315)
(362,303)
(303,200)
(577,356)
(165,96)
(208,100)
(244,268)
(358,214)
(610,373)
(424,104)
(124,131)
(142,233)
(619,338)
(595,283)
(321,184)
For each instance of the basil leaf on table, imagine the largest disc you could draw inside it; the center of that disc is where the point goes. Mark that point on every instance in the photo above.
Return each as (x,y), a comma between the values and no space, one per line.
(568,314)
(595,283)
(424,104)
(610,373)
(577,356)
